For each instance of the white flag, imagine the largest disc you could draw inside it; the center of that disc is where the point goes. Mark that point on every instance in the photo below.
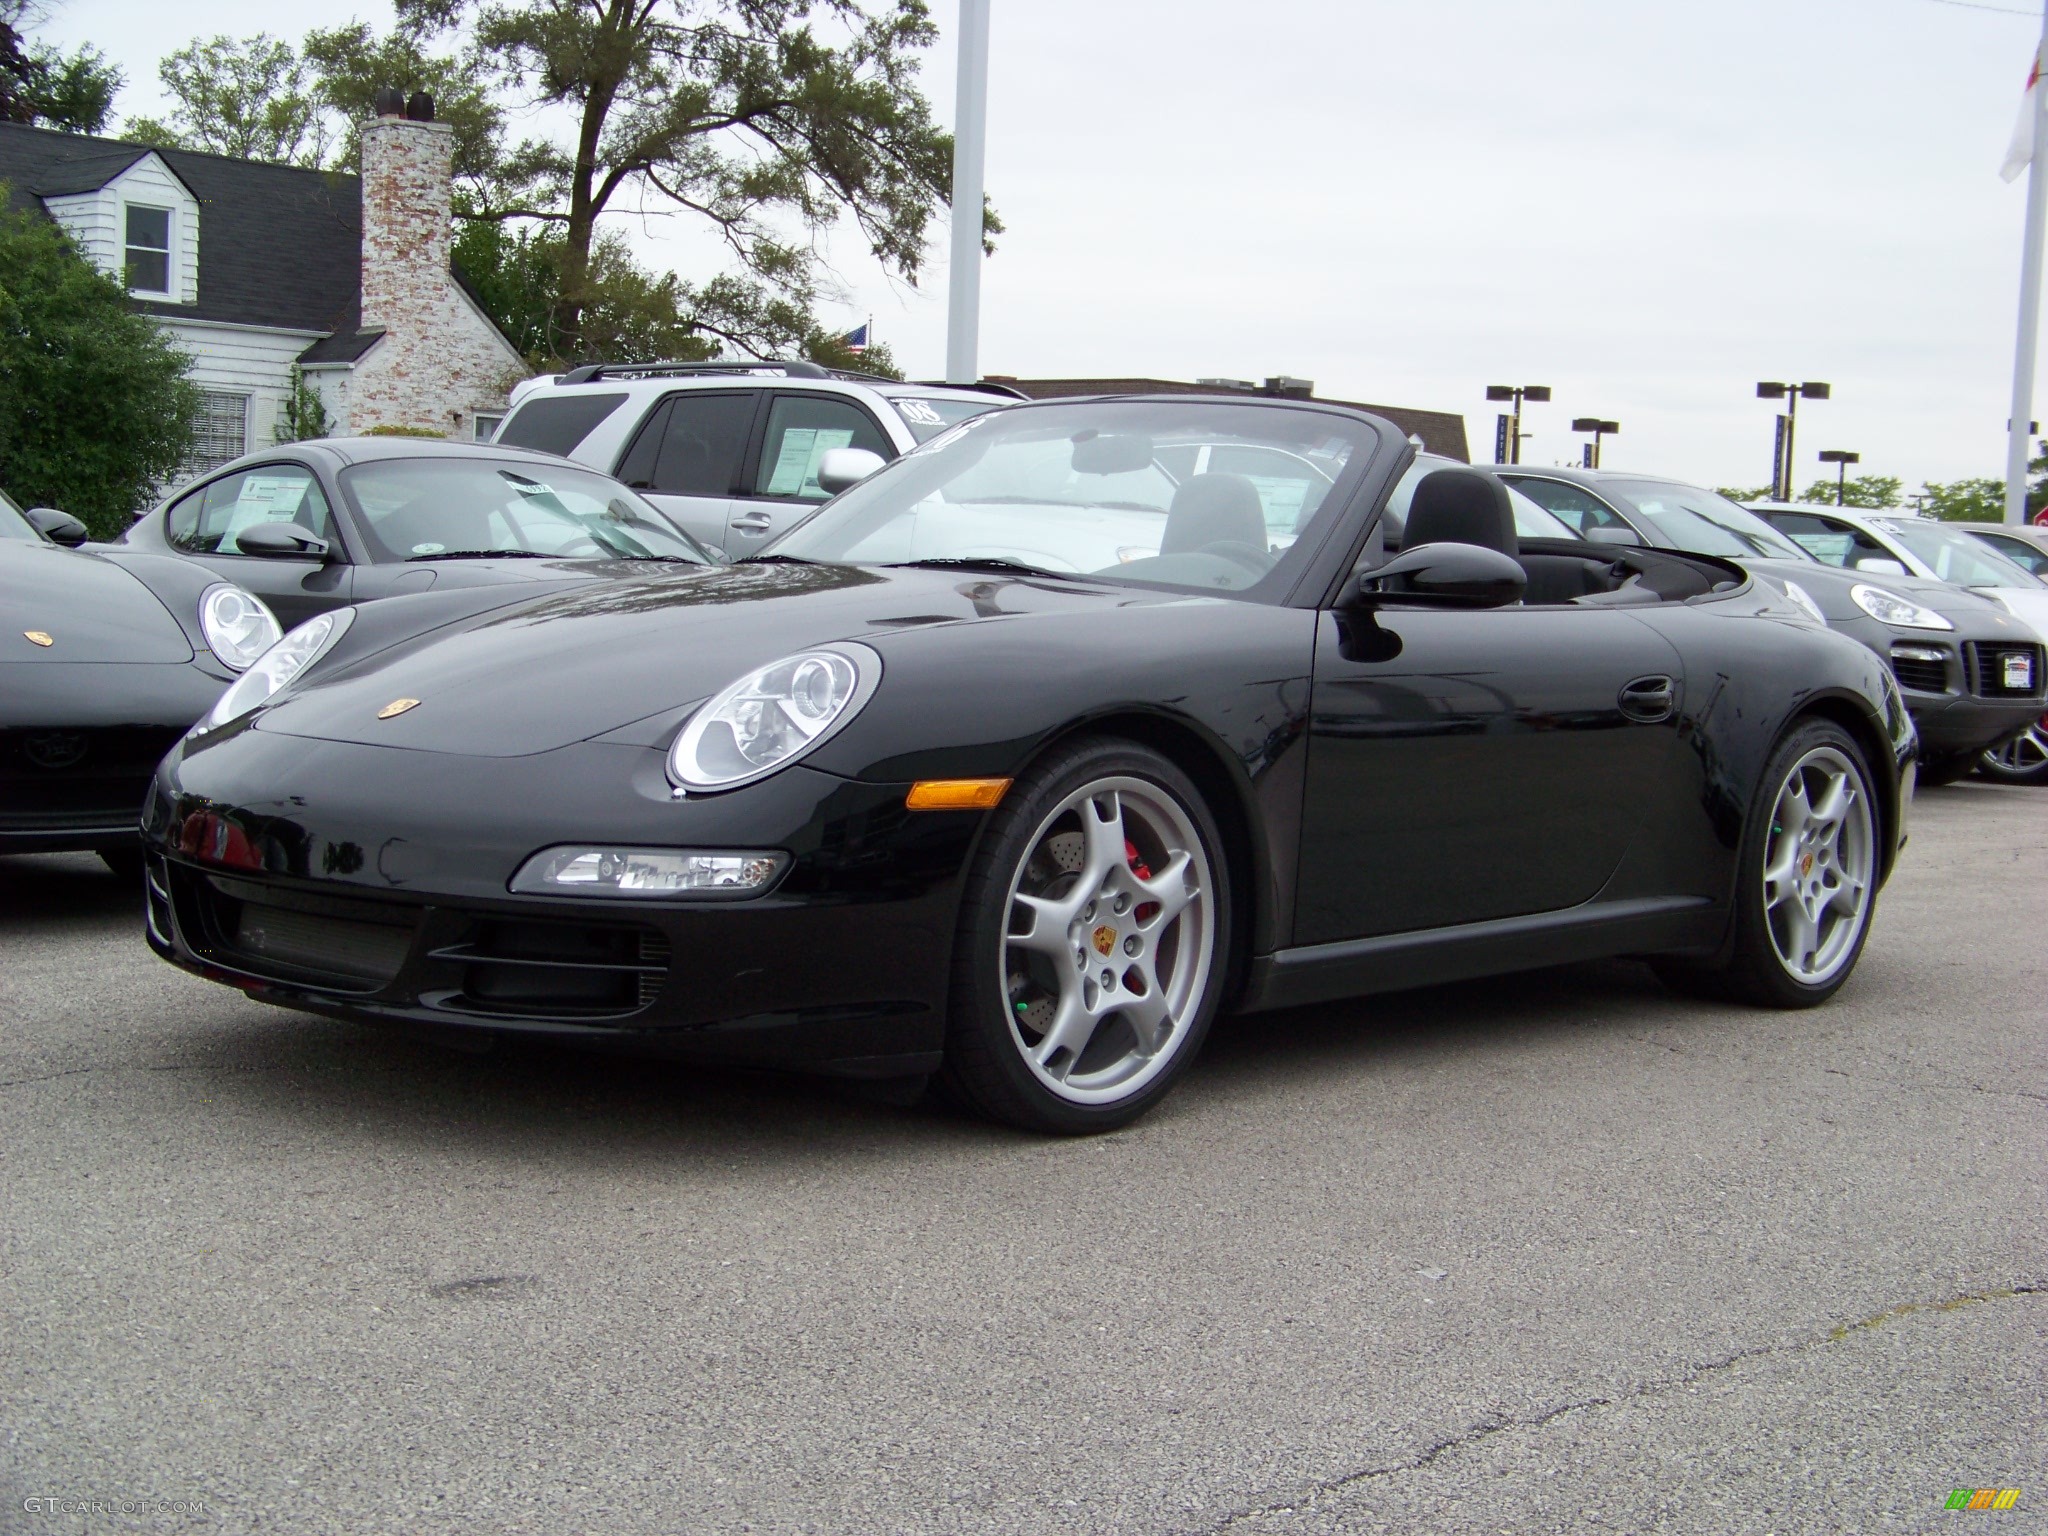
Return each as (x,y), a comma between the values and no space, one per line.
(2021,150)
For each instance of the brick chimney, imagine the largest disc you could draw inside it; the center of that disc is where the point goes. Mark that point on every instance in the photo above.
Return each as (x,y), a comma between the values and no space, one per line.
(440,364)
(408,176)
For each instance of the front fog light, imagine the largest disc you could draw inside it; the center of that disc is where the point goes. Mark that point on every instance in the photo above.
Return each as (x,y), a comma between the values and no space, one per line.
(577,871)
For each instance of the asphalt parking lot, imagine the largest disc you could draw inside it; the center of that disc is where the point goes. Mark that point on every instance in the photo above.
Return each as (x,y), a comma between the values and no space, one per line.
(1560,1253)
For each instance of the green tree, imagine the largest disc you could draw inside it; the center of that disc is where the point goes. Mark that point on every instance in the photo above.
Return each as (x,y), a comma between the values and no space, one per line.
(740,112)
(44,87)
(1977,500)
(97,411)
(1743,493)
(303,414)
(1869,491)
(249,99)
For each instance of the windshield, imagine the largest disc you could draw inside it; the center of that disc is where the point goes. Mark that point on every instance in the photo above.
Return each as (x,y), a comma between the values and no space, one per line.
(1192,494)
(424,509)
(1701,523)
(1531,520)
(1954,555)
(929,415)
(12,524)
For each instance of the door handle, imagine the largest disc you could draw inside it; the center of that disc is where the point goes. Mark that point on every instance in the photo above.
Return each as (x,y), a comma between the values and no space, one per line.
(752,522)
(1649,699)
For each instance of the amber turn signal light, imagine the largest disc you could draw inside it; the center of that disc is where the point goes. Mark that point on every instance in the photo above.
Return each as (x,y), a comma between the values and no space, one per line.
(956,794)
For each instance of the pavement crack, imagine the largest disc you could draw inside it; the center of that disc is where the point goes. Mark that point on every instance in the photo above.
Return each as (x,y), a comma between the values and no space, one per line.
(1956,1085)
(1486,1428)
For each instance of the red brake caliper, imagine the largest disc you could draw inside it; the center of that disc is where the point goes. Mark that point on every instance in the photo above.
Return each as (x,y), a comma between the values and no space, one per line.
(1147,910)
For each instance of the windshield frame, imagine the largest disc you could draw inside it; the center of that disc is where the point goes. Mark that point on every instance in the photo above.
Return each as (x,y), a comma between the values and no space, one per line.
(540,467)
(1376,452)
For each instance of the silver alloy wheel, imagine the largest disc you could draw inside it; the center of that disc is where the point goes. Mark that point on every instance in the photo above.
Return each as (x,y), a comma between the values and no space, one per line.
(1109,945)
(2026,753)
(1820,866)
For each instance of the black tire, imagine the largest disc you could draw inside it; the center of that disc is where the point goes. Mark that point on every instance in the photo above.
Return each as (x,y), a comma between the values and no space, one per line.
(1937,769)
(2023,760)
(125,862)
(1753,970)
(989,1060)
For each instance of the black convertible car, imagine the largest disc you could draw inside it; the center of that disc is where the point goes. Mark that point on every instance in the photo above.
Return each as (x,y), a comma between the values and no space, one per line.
(106,659)
(1022,758)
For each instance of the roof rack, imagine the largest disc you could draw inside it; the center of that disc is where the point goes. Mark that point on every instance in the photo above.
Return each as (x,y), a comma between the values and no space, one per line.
(980,386)
(794,368)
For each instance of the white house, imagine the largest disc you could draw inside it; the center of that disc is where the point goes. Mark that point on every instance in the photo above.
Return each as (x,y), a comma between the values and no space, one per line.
(254,268)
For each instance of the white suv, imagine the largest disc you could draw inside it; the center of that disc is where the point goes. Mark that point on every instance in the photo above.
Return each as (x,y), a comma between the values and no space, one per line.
(730,450)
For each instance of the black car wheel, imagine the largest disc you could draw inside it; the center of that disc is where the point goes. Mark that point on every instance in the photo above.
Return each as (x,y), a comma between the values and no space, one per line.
(1093,934)
(1807,877)
(2023,760)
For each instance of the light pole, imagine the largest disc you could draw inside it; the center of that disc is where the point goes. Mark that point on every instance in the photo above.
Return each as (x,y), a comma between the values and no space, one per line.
(1599,429)
(1842,459)
(970,134)
(1508,434)
(1788,421)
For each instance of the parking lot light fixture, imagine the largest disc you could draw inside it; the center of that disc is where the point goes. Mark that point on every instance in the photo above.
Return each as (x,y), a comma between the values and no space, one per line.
(1788,421)
(1599,429)
(1507,441)
(1841,458)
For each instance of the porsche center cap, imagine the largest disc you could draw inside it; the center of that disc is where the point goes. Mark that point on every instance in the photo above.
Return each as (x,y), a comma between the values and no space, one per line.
(397,707)
(1105,939)
(38,637)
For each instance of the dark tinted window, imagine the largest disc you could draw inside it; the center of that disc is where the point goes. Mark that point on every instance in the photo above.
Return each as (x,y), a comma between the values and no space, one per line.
(556,423)
(802,429)
(702,439)
(211,519)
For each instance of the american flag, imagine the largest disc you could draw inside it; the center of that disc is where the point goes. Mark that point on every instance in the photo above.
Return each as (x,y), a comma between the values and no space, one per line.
(856,340)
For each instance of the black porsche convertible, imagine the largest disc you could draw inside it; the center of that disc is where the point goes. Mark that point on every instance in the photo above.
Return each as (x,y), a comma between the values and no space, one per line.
(1026,755)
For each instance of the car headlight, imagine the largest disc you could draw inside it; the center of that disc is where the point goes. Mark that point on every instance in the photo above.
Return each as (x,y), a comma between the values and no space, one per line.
(772,717)
(236,624)
(1890,608)
(279,665)
(1803,600)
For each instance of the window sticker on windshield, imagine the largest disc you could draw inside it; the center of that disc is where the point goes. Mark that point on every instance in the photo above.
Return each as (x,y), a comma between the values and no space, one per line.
(796,466)
(265,499)
(919,412)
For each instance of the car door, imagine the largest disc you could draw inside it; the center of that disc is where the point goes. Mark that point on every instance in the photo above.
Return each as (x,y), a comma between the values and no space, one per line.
(782,485)
(688,457)
(205,525)
(1466,765)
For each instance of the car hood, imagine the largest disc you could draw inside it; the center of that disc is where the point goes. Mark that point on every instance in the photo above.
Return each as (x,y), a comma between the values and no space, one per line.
(1820,580)
(2027,604)
(91,609)
(588,660)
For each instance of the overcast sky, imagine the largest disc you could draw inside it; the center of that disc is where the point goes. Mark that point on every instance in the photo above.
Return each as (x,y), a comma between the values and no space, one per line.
(1648,207)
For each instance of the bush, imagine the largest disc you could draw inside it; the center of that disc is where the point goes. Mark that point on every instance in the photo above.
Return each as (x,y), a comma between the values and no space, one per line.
(96,412)
(400,432)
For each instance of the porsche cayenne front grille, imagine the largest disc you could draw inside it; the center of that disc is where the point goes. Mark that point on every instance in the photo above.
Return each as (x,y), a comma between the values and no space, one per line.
(2004,671)
(1923,668)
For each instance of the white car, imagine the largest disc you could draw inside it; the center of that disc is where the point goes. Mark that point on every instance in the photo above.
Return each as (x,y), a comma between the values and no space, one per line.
(1903,545)
(731,451)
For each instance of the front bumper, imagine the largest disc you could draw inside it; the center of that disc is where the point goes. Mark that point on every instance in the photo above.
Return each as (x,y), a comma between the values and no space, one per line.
(370,883)
(1950,724)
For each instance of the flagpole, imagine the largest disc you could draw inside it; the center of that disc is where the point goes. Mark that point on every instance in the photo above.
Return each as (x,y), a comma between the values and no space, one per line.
(2017,434)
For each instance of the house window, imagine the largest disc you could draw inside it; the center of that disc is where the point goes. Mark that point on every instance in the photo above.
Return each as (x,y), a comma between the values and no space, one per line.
(149,249)
(484,428)
(220,433)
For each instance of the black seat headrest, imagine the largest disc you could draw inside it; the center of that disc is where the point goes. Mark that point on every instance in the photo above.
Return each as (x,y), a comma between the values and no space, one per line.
(1213,509)
(1461,506)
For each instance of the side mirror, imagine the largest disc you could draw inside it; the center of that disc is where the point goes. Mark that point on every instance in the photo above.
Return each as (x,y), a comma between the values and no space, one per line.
(1610,534)
(58,527)
(281,541)
(844,467)
(1880,565)
(1440,576)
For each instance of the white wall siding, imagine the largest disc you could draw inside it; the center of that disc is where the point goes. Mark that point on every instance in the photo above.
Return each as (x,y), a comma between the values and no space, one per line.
(89,219)
(250,362)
